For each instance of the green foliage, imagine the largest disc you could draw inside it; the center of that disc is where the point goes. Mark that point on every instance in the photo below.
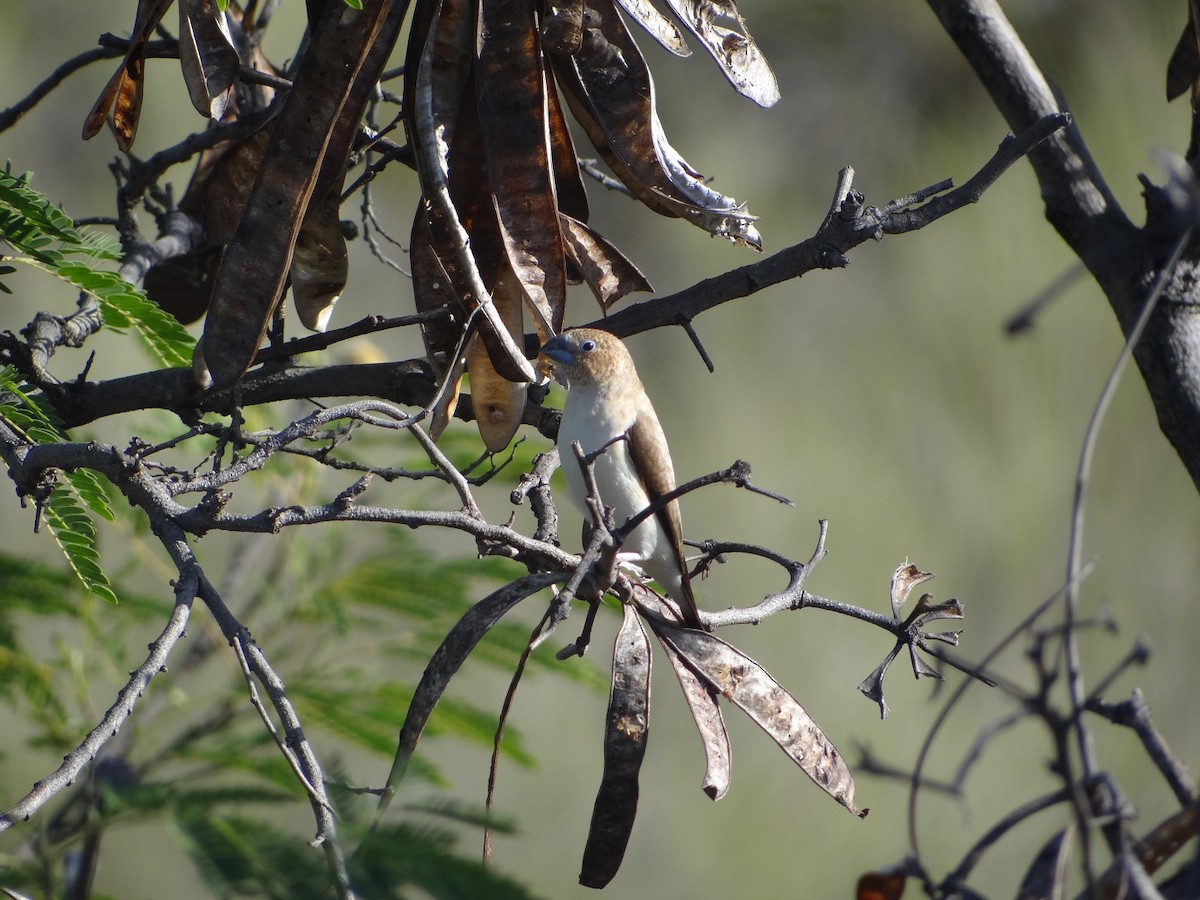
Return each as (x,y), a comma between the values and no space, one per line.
(334,615)
(238,855)
(75,533)
(64,510)
(26,682)
(30,224)
(46,239)
(125,308)
(394,860)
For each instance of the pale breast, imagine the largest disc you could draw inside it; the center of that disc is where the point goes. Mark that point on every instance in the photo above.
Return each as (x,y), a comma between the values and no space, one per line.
(593,426)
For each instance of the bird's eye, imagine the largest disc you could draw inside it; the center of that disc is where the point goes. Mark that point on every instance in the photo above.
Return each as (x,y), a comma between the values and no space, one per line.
(587,346)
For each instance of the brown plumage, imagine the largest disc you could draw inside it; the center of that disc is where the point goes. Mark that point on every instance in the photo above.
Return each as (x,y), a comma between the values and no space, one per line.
(605,399)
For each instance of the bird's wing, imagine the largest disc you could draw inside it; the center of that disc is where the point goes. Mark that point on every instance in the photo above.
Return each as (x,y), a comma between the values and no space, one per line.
(652,461)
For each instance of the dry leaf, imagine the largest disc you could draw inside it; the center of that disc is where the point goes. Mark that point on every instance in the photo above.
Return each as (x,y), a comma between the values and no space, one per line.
(625,738)
(706,713)
(1046,878)
(568,182)
(608,273)
(207,57)
(562,26)
(510,84)
(498,403)
(658,26)
(446,661)
(320,265)
(432,112)
(904,579)
(880,886)
(122,96)
(611,94)
(734,50)
(745,683)
(432,290)
(1183,70)
(310,143)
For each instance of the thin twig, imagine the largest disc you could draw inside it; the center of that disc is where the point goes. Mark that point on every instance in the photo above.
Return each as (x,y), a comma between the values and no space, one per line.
(958,877)
(186,589)
(239,649)
(959,692)
(10,116)
(1074,667)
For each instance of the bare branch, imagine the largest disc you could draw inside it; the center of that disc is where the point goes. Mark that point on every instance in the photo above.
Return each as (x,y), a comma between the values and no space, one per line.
(1135,713)
(9,117)
(838,234)
(1124,260)
(186,589)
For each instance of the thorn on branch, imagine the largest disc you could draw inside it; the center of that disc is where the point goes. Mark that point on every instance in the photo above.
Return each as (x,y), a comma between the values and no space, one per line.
(685,322)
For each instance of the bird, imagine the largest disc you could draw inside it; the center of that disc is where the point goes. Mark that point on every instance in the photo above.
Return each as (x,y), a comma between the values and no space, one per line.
(605,403)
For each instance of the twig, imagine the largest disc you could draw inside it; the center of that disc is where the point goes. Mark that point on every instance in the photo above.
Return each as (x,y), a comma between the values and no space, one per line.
(309,768)
(145,173)
(599,547)
(1135,713)
(455,477)
(837,235)
(738,474)
(169,49)
(239,645)
(186,589)
(10,116)
(959,692)
(690,329)
(591,168)
(1012,148)
(1074,668)
(958,877)
(390,417)
(536,486)
(1022,320)
(535,639)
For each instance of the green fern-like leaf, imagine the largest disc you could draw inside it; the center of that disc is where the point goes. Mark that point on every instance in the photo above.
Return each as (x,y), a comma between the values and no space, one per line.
(407,859)
(125,308)
(69,522)
(89,487)
(28,220)
(239,856)
(15,397)
(38,421)
(75,533)
(47,239)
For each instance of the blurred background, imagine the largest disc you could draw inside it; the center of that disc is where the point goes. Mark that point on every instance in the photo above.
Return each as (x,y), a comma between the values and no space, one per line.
(885,398)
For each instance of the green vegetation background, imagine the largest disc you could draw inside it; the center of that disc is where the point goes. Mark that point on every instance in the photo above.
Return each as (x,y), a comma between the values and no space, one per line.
(884,397)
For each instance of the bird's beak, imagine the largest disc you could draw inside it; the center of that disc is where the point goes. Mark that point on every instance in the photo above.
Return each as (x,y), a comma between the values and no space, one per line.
(555,353)
(559,351)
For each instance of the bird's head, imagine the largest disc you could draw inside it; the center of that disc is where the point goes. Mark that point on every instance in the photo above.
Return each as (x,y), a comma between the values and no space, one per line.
(586,357)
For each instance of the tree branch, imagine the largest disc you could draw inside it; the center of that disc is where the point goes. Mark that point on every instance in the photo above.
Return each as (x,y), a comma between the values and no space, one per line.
(186,589)
(848,224)
(1123,259)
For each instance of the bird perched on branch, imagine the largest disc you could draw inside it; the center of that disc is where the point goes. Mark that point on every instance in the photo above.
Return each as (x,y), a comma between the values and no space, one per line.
(607,406)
